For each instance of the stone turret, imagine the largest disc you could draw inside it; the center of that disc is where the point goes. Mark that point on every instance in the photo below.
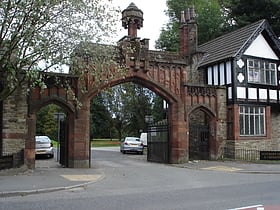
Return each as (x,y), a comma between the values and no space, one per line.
(132,19)
(131,47)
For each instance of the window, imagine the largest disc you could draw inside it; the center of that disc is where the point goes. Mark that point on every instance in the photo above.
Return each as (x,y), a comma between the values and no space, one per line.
(209,76)
(252,121)
(262,72)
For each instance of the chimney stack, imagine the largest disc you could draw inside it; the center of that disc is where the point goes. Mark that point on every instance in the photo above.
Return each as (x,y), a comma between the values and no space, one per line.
(188,33)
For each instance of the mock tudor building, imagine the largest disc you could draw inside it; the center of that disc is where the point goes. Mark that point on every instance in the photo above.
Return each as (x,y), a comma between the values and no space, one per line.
(246,63)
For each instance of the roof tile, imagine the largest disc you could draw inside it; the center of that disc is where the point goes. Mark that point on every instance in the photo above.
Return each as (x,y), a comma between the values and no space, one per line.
(228,45)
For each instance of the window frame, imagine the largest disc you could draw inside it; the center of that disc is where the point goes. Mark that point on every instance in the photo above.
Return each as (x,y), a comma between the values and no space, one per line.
(252,121)
(262,71)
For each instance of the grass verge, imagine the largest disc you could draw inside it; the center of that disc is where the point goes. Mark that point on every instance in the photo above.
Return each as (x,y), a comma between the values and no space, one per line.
(105,142)
(99,143)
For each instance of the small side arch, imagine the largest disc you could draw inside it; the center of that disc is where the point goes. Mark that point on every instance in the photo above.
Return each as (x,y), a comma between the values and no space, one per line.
(202,135)
(34,106)
(203,108)
(67,127)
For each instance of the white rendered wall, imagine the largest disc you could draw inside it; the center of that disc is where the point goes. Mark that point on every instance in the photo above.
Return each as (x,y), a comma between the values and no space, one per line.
(260,48)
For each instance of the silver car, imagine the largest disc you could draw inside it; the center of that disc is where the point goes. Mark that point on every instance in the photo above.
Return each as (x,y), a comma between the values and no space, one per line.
(44,146)
(132,144)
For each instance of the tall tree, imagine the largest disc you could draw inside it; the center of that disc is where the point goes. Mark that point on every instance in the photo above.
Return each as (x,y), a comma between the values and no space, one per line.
(113,98)
(122,110)
(128,104)
(138,104)
(46,124)
(158,111)
(209,18)
(101,119)
(34,32)
(241,13)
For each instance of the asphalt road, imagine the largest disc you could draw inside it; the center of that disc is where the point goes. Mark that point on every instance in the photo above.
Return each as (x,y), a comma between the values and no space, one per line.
(133,183)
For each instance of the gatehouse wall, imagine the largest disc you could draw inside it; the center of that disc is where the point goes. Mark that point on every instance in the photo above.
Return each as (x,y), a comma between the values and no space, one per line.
(15,127)
(249,148)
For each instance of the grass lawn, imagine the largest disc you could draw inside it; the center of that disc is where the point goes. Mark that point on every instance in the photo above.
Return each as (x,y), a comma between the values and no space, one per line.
(54,143)
(99,143)
(104,142)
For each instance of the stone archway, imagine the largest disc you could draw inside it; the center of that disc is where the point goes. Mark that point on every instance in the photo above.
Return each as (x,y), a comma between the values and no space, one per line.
(165,73)
(201,136)
(176,123)
(66,145)
(168,74)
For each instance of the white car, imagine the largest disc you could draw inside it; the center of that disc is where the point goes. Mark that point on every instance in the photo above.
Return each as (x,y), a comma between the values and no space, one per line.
(44,146)
(132,144)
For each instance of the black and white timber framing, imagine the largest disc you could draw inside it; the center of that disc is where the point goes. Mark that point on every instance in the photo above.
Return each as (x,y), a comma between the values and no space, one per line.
(227,59)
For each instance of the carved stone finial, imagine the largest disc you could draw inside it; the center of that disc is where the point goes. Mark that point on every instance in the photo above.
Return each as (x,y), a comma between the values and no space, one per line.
(132,19)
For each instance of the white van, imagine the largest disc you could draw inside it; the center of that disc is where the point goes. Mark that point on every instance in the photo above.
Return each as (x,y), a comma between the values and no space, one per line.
(143,139)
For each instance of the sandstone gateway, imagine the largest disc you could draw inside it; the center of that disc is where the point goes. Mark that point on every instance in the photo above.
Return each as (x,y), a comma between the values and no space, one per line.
(223,96)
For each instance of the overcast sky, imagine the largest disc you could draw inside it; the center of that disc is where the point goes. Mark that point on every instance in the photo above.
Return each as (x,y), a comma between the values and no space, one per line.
(153,14)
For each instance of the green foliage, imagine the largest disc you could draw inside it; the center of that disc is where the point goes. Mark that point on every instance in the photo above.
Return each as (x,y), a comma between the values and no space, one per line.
(127,104)
(216,17)
(46,124)
(35,32)
(241,13)
(101,124)
(158,111)
(169,38)
(137,105)
(209,18)
(96,64)
(113,98)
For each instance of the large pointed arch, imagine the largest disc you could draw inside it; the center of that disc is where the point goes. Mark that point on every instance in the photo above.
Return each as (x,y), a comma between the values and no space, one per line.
(176,121)
(145,82)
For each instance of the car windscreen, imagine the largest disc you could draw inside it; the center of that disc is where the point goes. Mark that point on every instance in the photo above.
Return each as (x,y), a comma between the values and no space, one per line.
(132,139)
(42,140)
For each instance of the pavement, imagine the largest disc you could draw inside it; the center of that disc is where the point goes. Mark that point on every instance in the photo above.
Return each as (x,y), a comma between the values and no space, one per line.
(234,166)
(49,176)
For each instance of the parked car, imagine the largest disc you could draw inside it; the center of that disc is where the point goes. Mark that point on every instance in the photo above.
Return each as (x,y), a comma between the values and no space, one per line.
(132,144)
(44,146)
(143,139)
